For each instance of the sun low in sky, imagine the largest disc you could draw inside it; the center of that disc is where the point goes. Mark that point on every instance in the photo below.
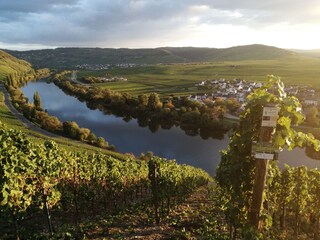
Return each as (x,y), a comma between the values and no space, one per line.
(35,24)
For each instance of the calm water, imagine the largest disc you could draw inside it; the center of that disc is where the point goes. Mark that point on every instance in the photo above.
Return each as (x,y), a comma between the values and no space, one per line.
(130,137)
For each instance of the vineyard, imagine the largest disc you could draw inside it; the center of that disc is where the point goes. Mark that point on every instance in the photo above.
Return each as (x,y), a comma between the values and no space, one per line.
(288,200)
(47,192)
(46,182)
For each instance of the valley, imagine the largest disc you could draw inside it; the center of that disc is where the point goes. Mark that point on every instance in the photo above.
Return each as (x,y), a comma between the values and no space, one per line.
(133,177)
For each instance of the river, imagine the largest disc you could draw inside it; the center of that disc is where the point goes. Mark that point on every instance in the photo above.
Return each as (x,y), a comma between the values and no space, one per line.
(129,137)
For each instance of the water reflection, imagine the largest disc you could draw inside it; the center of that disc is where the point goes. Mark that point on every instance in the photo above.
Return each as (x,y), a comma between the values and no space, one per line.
(197,147)
(135,135)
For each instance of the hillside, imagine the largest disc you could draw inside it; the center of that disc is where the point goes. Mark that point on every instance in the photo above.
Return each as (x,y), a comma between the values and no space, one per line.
(249,52)
(70,57)
(309,53)
(10,64)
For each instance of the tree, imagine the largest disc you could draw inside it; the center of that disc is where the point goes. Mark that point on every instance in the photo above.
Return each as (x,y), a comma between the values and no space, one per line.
(154,101)
(102,143)
(219,101)
(143,100)
(92,138)
(232,104)
(169,104)
(312,117)
(191,118)
(83,134)
(71,129)
(37,101)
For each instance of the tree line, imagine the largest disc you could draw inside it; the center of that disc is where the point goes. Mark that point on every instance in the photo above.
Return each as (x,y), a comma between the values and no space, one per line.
(16,79)
(35,113)
(151,111)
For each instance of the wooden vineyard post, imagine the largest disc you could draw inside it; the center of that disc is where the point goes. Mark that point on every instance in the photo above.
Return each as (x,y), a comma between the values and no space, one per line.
(263,152)
(153,176)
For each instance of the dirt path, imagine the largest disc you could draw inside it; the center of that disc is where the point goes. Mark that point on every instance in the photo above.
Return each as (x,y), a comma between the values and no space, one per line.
(181,223)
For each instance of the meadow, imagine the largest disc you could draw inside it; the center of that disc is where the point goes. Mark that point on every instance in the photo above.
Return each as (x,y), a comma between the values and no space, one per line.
(179,79)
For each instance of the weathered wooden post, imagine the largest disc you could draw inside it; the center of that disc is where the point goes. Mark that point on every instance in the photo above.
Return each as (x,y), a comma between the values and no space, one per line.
(263,151)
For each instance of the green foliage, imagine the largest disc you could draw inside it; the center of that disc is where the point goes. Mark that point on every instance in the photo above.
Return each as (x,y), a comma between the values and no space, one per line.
(35,177)
(71,129)
(312,117)
(10,65)
(154,101)
(37,101)
(232,104)
(299,196)
(17,186)
(293,199)
(51,123)
(101,142)
(171,182)
(180,79)
(143,100)
(149,110)
(291,206)
(235,173)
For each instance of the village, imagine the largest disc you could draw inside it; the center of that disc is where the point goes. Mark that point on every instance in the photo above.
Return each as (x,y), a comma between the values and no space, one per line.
(107,66)
(240,88)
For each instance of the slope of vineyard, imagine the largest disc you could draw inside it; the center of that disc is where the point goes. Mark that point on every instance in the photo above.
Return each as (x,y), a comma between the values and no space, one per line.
(10,65)
(79,185)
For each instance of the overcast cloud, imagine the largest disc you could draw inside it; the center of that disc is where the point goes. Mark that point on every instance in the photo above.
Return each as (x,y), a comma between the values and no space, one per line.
(153,23)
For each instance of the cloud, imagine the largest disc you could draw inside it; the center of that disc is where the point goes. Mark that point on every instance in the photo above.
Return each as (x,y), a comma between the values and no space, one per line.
(272,11)
(33,5)
(137,23)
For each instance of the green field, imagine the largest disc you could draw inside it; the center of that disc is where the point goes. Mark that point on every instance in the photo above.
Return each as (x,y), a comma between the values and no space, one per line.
(179,79)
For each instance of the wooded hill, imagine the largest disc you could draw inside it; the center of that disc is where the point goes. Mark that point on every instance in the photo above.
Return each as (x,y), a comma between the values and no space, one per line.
(70,57)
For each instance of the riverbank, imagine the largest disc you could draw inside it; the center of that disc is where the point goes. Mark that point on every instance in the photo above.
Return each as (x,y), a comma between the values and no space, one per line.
(10,116)
(28,124)
(131,135)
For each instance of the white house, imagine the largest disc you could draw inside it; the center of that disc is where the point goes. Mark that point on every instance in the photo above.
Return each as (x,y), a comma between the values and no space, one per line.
(311,102)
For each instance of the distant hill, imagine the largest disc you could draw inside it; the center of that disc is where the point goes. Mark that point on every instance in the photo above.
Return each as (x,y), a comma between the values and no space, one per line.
(309,53)
(10,64)
(70,57)
(248,52)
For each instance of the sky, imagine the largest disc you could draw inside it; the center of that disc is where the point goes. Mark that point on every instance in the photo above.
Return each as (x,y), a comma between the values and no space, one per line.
(36,24)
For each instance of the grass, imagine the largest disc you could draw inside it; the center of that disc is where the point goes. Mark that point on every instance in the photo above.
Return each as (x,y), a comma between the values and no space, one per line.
(7,117)
(179,79)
